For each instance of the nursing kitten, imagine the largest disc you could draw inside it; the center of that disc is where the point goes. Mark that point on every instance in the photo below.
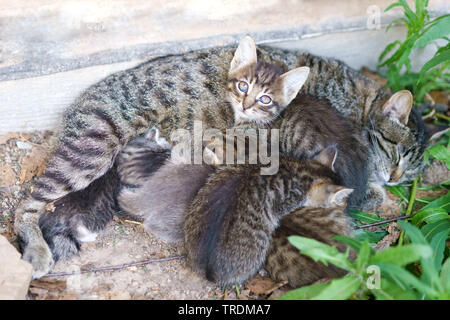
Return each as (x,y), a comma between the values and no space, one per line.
(283,260)
(172,92)
(230,222)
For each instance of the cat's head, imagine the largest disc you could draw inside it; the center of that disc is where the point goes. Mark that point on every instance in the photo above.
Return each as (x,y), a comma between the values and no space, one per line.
(326,190)
(259,91)
(397,137)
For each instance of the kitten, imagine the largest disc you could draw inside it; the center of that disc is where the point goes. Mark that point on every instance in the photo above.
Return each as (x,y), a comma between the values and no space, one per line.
(172,92)
(230,222)
(163,197)
(283,260)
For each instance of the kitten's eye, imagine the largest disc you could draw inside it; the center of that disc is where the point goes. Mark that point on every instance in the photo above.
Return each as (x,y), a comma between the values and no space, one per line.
(265,99)
(243,86)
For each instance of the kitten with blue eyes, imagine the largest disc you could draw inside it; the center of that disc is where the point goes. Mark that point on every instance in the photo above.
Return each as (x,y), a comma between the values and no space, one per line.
(258,91)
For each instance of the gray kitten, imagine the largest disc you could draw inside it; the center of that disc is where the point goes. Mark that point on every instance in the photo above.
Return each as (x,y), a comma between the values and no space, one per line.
(172,92)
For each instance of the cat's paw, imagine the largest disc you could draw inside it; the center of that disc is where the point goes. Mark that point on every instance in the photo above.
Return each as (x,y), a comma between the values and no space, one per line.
(40,257)
(375,196)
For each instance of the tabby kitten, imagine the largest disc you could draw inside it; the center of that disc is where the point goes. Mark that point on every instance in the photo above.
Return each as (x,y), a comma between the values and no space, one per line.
(230,222)
(283,260)
(172,92)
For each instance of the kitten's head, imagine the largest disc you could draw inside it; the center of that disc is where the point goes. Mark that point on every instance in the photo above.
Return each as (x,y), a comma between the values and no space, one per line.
(325,190)
(259,91)
(398,142)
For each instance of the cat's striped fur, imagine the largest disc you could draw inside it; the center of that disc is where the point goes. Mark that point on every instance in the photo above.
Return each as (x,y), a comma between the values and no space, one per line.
(230,222)
(283,260)
(171,92)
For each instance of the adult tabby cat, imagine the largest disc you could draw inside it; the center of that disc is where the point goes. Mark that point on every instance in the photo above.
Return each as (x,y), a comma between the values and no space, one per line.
(229,225)
(173,91)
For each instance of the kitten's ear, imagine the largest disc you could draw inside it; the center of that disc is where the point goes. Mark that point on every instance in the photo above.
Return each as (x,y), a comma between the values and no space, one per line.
(338,195)
(399,106)
(245,54)
(152,134)
(327,157)
(291,82)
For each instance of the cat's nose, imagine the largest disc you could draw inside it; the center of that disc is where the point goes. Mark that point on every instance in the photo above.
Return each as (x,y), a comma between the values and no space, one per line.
(395,175)
(245,106)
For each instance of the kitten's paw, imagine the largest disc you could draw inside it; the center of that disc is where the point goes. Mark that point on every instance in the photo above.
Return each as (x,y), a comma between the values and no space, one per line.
(375,196)
(40,257)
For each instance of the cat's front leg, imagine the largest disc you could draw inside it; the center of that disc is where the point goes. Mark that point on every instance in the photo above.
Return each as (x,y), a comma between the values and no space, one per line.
(374,197)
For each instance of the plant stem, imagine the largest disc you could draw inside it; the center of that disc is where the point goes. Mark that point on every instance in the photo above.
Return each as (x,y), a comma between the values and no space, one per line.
(442,116)
(412,198)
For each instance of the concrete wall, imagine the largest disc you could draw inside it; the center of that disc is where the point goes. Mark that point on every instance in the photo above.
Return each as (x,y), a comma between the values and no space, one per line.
(52,50)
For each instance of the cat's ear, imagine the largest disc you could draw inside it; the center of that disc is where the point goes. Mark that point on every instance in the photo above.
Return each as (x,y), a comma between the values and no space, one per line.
(245,54)
(399,106)
(152,134)
(338,195)
(291,82)
(327,156)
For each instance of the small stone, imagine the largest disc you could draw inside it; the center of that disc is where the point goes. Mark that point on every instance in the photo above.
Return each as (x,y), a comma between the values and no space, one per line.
(23,145)
(15,273)
(7,176)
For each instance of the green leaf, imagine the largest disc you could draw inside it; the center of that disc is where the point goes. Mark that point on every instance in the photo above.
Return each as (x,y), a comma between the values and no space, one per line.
(363,256)
(430,230)
(392,291)
(340,289)
(322,252)
(429,215)
(445,275)
(388,49)
(399,191)
(373,237)
(406,279)
(441,153)
(429,272)
(438,245)
(437,30)
(395,4)
(437,59)
(364,216)
(403,255)
(305,293)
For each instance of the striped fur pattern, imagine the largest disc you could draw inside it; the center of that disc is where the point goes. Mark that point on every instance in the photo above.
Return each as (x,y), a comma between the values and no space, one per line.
(283,260)
(230,222)
(171,92)
(79,216)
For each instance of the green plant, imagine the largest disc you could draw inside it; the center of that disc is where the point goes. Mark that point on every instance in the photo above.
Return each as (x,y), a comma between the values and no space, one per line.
(397,265)
(421,32)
